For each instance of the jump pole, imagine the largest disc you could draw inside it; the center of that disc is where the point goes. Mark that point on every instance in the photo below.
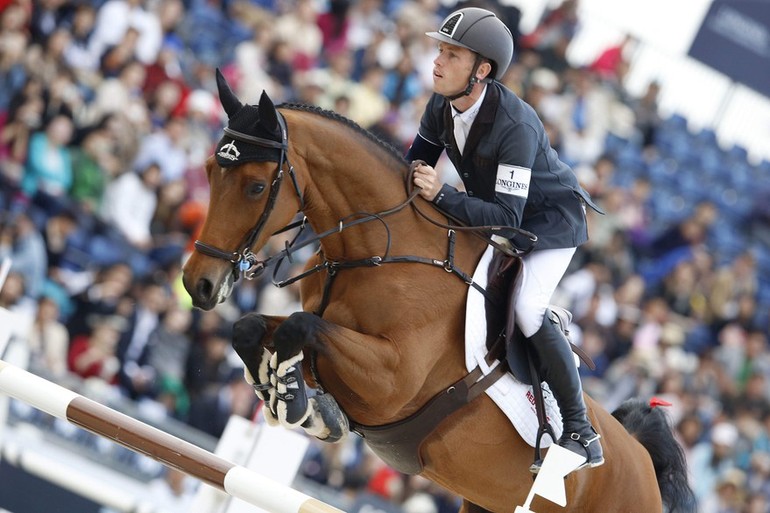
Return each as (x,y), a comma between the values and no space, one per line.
(139,437)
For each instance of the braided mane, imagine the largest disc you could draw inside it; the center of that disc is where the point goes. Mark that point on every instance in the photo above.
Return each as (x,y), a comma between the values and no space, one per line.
(392,151)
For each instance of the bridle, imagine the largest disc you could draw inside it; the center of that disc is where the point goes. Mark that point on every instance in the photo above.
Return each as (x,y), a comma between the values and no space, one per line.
(244,260)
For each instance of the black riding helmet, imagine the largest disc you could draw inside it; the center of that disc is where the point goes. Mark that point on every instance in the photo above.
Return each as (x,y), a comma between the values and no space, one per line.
(480,31)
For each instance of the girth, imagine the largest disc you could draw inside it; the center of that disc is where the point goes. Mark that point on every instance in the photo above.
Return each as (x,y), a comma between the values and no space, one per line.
(399,444)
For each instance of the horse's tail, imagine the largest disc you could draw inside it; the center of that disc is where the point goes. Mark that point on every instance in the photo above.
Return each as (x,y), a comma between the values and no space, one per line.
(650,426)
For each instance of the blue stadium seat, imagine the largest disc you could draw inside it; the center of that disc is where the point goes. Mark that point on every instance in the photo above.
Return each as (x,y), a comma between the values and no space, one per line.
(630,157)
(614,143)
(667,207)
(726,238)
(738,175)
(761,175)
(707,138)
(675,122)
(663,172)
(737,154)
(692,184)
(712,161)
(762,255)
(763,294)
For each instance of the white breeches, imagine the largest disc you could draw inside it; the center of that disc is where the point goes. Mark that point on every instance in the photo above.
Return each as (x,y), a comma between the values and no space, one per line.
(539,277)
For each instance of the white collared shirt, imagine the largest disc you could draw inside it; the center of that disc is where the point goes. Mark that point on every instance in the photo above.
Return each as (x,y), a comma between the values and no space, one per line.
(464,120)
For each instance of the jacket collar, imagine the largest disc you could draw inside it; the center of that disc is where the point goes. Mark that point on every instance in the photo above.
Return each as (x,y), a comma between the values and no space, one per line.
(481,126)
(486,115)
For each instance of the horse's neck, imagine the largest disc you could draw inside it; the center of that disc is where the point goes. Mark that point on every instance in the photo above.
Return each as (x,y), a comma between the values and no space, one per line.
(349,178)
(350,198)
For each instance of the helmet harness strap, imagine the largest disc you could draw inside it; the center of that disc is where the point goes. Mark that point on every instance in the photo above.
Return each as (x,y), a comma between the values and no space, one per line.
(472,81)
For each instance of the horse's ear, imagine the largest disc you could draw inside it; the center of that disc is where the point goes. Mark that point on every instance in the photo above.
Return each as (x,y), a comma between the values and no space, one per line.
(230,102)
(268,116)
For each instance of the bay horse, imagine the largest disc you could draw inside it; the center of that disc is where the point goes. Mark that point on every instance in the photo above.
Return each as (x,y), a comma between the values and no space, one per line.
(385,332)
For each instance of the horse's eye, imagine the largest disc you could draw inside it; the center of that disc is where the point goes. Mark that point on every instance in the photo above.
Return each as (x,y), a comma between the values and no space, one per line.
(254,189)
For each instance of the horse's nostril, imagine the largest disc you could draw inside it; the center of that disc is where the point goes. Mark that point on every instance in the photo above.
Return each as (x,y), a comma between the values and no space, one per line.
(204,289)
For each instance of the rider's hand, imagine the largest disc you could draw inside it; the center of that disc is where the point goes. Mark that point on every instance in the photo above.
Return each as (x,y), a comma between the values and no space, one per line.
(426,178)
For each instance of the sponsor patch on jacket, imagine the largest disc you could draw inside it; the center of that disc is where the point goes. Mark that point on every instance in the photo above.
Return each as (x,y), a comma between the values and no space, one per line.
(513,180)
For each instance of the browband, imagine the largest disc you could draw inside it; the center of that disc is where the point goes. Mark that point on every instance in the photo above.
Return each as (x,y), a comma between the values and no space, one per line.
(259,141)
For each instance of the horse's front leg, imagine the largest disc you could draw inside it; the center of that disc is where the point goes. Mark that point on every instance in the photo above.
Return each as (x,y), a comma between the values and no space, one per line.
(271,350)
(253,342)
(319,415)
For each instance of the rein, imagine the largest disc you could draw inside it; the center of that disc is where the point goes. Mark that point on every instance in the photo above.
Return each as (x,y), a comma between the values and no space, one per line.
(245,261)
(479,231)
(447,264)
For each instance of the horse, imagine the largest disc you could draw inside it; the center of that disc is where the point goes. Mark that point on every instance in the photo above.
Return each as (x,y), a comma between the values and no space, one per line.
(384,310)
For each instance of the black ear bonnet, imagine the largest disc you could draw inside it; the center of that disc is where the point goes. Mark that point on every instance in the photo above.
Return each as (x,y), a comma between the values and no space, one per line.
(250,120)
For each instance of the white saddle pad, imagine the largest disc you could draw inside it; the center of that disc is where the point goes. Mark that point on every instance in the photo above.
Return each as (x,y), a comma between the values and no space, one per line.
(513,397)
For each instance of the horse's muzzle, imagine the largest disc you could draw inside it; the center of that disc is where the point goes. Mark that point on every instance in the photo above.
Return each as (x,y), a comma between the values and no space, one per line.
(204,292)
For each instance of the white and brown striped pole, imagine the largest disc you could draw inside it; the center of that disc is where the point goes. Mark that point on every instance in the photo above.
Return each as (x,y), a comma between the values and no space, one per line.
(233,479)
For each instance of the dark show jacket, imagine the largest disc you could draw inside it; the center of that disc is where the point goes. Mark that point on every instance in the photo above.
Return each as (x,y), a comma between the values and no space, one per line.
(511,174)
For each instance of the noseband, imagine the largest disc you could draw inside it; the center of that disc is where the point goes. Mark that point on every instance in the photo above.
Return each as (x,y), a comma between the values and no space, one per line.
(244,261)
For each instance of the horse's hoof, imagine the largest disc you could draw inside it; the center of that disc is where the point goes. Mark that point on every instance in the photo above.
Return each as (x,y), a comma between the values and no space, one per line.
(335,421)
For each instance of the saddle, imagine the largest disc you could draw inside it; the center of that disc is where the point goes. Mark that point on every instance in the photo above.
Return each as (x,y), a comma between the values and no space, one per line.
(501,322)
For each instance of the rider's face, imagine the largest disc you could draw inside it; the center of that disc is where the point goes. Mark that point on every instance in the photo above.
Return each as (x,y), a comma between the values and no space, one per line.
(452,68)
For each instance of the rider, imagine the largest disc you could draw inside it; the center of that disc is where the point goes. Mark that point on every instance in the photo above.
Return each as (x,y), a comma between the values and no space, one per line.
(514,178)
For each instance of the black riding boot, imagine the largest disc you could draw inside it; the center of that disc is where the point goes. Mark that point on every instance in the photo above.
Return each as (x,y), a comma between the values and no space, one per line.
(557,368)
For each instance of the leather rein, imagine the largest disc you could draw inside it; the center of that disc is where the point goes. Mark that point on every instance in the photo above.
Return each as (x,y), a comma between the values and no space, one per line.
(246,263)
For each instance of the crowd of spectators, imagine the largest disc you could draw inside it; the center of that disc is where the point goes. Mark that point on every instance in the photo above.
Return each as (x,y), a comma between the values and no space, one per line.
(108,112)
